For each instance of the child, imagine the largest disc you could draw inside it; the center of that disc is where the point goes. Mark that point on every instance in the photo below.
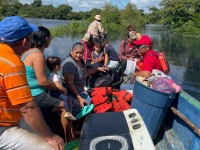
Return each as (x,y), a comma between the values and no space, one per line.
(54,65)
(97,55)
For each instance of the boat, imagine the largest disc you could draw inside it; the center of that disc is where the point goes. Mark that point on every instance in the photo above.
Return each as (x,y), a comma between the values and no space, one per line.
(180,128)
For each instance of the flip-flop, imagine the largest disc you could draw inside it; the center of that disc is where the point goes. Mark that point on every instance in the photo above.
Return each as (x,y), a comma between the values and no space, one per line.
(70,117)
(73,145)
(85,110)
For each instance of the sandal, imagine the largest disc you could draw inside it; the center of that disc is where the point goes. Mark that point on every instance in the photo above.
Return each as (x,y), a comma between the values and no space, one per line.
(69,116)
(85,110)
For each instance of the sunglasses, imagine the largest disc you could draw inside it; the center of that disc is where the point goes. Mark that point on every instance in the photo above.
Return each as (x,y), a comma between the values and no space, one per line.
(140,46)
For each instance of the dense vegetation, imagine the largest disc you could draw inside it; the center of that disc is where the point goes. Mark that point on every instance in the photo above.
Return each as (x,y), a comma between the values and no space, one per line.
(183,16)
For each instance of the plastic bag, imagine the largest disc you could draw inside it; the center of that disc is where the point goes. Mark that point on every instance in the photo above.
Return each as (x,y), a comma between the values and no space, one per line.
(162,84)
(130,67)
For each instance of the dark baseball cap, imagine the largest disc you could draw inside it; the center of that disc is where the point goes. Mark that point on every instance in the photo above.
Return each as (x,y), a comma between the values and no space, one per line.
(14,28)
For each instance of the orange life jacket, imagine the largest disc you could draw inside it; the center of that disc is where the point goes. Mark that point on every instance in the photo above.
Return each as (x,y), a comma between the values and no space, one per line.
(106,98)
(163,61)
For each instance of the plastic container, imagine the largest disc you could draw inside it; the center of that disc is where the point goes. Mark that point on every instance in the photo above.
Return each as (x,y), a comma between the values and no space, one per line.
(152,106)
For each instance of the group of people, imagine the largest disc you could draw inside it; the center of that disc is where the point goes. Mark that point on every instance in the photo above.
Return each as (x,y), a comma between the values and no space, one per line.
(29,82)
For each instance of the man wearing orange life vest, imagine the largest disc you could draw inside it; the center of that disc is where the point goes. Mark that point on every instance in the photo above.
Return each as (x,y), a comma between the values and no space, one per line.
(15,96)
(150,59)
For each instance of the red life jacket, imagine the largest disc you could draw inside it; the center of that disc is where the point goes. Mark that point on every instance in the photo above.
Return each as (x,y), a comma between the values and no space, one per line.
(106,98)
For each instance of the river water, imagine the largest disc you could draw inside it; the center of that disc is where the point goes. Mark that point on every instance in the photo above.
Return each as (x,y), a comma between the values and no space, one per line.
(183,54)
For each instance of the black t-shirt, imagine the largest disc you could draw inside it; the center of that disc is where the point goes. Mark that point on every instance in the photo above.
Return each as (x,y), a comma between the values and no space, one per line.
(112,54)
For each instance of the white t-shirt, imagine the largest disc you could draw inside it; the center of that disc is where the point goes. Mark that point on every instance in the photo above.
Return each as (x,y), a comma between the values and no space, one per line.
(55,77)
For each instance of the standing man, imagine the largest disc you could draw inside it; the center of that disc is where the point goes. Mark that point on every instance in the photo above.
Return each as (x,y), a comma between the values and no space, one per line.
(15,95)
(96,28)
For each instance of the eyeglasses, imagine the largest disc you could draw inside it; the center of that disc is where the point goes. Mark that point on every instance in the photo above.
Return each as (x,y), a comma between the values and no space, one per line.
(140,46)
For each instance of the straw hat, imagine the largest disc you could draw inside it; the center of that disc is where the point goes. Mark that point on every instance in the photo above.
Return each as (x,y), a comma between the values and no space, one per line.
(97,17)
(86,37)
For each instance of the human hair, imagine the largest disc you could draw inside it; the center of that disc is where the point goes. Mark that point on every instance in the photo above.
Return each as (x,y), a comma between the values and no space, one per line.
(52,62)
(16,43)
(131,28)
(77,44)
(40,37)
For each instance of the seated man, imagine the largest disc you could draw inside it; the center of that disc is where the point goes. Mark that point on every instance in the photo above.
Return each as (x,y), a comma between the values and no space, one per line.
(149,59)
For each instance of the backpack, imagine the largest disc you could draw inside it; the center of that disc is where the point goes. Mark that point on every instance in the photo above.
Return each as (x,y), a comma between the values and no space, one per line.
(164,63)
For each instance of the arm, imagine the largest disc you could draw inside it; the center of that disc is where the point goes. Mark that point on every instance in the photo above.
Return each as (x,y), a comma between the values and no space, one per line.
(35,120)
(60,87)
(122,51)
(40,71)
(106,60)
(99,59)
(69,79)
(100,28)
(93,60)
(145,74)
(93,70)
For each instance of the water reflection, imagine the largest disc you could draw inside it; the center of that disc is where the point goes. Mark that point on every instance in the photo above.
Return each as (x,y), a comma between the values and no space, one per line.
(182,53)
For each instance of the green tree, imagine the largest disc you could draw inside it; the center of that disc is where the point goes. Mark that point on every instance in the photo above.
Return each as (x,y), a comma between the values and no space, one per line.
(111,17)
(62,11)
(36,3)
(131,15)
(155,15)
(182,15)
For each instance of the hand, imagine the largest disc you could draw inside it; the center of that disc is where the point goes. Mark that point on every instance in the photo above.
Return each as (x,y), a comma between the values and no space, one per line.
(56,142)
(103,69)
(82,101)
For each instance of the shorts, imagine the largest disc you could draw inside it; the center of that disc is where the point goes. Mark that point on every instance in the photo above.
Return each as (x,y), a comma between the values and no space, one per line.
(62,97)
(45,100)
(19,139)
(76,108)
(113,64)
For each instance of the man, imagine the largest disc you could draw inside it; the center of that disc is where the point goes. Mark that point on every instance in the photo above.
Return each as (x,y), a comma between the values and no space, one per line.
(149,59)
(96,28)
(15,96)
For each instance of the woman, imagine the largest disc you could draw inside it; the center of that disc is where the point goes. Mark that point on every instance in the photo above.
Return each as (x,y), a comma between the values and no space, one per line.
(75,72)
(111,57)
(127,49)
(37,75)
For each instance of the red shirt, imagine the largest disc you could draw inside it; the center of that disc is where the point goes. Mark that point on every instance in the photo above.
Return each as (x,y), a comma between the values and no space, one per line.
(151,61)
(88,48)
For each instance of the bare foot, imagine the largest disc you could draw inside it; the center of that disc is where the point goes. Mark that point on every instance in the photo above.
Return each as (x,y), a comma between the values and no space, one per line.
(69,116)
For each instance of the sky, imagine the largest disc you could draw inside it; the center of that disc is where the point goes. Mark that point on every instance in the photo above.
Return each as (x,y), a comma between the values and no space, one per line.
(86,5)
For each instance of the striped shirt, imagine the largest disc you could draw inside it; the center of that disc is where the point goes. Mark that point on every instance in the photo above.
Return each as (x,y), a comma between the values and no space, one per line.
(14,89)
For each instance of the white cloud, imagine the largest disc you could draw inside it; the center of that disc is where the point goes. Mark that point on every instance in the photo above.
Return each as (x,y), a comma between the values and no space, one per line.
(85,5)
(144,4)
